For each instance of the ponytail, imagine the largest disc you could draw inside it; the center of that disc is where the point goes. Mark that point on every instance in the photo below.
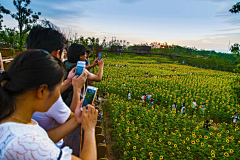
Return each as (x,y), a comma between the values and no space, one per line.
(5,99)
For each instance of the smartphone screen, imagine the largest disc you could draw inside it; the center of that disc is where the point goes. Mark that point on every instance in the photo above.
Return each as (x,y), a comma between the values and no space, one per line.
(89,96)
(80,67)
(99,55)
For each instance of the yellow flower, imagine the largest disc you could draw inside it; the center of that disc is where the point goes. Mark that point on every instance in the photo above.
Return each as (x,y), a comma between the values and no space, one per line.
(219,135)
(193,142)
(160,140)
(227,141)
(198,140)
(226,154)
(227,131)
(169,143)
(231,150)
(183,142)
(125,152)
(128,144)
(175,145)
(222,147)
(202,144)
(134,158)
(127,130)
(161,157)
(212,151)
(187,139)
(150,153)
(134,147)
(188,148)
(206,137)
(119,134)
(213,155)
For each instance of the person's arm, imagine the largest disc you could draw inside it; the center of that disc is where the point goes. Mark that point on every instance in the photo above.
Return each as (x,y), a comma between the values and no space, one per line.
(91,66)
(89,121)
(56,134)
(68,82)
(78,83)
(97,77)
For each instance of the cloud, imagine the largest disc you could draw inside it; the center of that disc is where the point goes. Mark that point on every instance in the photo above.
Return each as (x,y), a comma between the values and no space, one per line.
(225,30)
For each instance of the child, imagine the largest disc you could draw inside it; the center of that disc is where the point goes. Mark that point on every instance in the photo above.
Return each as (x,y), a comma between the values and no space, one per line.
(183,109)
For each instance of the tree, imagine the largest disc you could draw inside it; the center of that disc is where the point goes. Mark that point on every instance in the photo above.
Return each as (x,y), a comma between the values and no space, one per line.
(235,8)
(25,18)
(5,11)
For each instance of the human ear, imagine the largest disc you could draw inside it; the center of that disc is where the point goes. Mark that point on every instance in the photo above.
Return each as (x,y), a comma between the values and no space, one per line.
(42,91)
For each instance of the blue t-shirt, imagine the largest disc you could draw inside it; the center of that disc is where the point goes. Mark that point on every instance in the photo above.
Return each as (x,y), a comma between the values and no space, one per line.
(86,62)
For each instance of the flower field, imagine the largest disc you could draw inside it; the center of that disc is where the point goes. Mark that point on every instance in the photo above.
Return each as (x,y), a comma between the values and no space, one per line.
(143,131)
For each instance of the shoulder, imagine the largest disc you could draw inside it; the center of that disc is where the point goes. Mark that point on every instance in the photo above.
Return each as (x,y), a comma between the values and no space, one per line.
(31,143)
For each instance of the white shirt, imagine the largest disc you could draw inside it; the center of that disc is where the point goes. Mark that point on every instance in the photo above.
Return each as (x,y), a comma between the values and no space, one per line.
(54,117)
(194,104)
(25,141)
(129,95)
(235,118)
(183,109)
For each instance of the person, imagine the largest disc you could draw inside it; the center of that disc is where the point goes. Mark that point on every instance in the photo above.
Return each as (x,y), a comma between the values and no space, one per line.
(194,105)
(235,118)
(52,42)
(104,92)
(98,100)
(206,127)
(77,52)
(151,101)
(26,91)
(129,95)
(1,63)
(123,85)
(64,54)
(174,106)
(143,98)
(183,108)
(148,97)
(203,107)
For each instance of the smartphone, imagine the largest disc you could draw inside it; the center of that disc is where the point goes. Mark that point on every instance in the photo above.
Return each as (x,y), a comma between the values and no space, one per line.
(89,96)
(80,67)
(99,55)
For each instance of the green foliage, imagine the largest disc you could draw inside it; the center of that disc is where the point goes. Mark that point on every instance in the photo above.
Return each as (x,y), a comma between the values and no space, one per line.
(25,18)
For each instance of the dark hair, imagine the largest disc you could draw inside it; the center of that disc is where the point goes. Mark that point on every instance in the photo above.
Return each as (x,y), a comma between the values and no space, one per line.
(207,121)
(88,52)
(48,39)
(75,51)
(27,72)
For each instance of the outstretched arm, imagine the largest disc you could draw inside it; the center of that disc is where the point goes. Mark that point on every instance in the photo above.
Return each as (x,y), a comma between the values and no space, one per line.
(97,77)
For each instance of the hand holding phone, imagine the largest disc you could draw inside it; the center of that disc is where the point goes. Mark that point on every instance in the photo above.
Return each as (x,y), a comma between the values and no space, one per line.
(80,67)
(99,55)
(89,96)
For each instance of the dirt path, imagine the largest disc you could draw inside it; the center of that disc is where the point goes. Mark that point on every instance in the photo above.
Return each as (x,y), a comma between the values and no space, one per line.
(109,142)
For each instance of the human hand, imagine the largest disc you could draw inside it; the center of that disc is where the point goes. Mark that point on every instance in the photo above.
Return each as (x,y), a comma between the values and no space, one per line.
(71,74)
(89,118)
(100,63)
(95,62)
(78,113)
(79,81)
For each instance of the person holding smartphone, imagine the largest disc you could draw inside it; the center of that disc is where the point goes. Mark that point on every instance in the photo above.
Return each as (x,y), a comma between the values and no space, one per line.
(57,121)
(76,53)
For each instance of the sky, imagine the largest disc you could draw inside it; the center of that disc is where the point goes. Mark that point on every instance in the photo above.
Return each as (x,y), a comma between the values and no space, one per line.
(204,24)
